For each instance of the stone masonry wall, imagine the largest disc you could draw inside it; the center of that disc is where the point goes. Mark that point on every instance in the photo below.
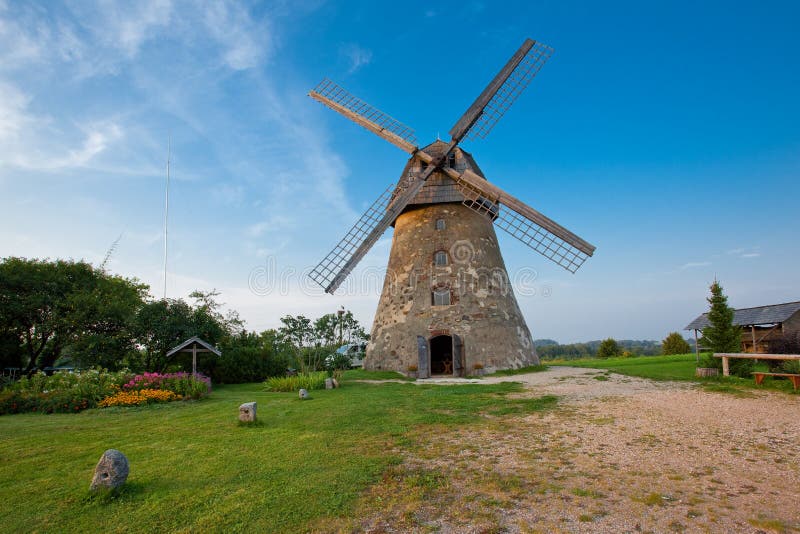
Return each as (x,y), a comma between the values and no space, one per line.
(483,309)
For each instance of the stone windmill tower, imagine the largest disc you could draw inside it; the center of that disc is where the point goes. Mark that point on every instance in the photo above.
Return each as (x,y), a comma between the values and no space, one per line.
(447,303)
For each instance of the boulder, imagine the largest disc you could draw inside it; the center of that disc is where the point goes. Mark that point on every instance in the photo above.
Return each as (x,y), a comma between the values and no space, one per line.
(111,471)
(247,412)
(329,384)
(303,394)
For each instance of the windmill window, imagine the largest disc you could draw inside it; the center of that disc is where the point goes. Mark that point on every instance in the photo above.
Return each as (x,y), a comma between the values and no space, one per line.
(440,258)
(441,297)
(440,224)
(451,160)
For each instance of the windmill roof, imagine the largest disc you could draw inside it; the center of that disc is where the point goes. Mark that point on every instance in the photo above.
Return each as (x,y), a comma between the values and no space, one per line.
(186,345)
(774,313)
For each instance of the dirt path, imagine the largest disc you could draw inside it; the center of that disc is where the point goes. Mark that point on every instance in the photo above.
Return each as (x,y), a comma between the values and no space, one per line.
(620,454)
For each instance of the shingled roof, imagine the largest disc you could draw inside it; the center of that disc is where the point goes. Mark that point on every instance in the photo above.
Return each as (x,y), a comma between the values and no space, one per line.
(775,313)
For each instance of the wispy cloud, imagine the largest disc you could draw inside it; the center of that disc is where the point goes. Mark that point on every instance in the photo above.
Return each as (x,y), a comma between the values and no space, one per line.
(357,56)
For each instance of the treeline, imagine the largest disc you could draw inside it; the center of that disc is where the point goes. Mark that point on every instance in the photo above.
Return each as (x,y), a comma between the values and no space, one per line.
(549,349)
(65,313)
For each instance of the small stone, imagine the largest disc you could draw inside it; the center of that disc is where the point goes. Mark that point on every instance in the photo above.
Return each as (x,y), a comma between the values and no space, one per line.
(303,394)
(247,412)
(111,471)
(329,383)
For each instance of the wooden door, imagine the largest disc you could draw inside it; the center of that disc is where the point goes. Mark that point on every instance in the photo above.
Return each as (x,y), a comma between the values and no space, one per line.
(458,356)
(423,367)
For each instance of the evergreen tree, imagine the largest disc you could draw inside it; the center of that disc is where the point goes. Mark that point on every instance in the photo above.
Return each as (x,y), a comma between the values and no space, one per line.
(721,335)
(675,344)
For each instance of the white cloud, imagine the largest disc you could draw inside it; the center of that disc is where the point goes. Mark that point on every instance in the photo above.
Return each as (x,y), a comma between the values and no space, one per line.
(32,142)
(245,42)
(751,255)
(357,56)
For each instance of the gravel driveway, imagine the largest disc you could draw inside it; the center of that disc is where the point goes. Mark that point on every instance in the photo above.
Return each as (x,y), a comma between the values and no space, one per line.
(620,454)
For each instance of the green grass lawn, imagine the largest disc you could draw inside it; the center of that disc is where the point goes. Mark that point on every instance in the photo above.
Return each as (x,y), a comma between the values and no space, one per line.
(194,467)
(677,367)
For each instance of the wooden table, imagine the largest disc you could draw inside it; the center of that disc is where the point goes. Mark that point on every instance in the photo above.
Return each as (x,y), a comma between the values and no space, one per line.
(726,356)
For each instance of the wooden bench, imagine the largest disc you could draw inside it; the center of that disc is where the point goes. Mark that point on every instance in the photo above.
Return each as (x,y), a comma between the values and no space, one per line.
(795,378)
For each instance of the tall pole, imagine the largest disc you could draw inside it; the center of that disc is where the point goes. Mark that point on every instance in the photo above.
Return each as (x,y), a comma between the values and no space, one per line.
(341,324)
(166,214)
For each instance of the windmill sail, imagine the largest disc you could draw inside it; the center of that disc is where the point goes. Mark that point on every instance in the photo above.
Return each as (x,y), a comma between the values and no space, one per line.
(512,215)
(365,115)
(502,91)
(539,232)
(339,263)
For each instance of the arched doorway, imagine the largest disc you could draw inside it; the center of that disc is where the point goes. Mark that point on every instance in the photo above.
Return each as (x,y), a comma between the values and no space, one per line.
(441,355)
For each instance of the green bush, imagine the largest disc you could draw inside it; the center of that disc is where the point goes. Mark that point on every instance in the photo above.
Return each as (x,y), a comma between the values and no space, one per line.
(62,392)
(608,349)
(675,344)
(309,381)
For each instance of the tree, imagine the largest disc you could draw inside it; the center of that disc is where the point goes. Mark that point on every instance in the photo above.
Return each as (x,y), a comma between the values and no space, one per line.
(721,335)
(57,308)
(675,344)
(160,325)
(608,348)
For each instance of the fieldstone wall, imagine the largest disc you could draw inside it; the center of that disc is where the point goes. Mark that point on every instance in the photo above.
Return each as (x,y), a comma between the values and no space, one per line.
(483,309)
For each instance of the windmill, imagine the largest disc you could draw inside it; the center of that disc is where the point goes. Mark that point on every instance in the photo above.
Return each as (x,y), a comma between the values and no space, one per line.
(447,306)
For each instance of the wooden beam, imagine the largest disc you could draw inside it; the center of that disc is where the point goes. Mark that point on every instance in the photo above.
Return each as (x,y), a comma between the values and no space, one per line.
(473,113)
(366,123)
(396,207)
(495,194)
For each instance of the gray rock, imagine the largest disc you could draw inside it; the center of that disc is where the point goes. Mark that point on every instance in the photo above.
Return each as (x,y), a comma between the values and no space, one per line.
(303,394)
(329,384)
(247,412)
(111,471)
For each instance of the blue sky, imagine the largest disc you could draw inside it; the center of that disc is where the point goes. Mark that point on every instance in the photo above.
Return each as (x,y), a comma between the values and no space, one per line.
(665,133)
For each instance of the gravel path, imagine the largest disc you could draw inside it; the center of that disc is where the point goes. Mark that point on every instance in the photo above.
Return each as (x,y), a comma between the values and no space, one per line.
(620,454)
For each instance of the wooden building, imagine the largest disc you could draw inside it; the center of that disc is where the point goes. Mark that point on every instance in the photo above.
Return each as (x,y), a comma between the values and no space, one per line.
(765,329)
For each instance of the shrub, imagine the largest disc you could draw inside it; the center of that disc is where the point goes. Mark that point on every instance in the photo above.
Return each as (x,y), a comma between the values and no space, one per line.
(675,344)
(61,392)
(315,380)
(608,349)
(338,360)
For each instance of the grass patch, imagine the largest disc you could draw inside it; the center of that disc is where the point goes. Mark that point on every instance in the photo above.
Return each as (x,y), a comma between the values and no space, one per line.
(307,381)
(678,367)
(526,405)
(361,374)
(775,525)
(520,371)
(653,499)
(194,467)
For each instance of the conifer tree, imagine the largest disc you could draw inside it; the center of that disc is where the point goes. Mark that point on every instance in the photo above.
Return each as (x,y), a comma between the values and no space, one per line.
(721,335)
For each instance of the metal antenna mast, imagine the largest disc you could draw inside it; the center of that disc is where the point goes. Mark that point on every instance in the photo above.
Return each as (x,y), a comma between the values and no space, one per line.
(166,214)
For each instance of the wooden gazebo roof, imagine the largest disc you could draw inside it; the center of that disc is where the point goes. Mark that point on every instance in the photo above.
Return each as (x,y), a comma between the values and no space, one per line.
(195,343)
(760,315)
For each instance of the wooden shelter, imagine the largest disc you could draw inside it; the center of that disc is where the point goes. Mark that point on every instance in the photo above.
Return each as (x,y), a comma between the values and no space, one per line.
(194,345)
(765,329)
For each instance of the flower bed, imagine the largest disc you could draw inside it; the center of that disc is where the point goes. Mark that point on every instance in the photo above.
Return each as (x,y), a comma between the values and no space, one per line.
(138,397)
(183,384)
(66,392)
